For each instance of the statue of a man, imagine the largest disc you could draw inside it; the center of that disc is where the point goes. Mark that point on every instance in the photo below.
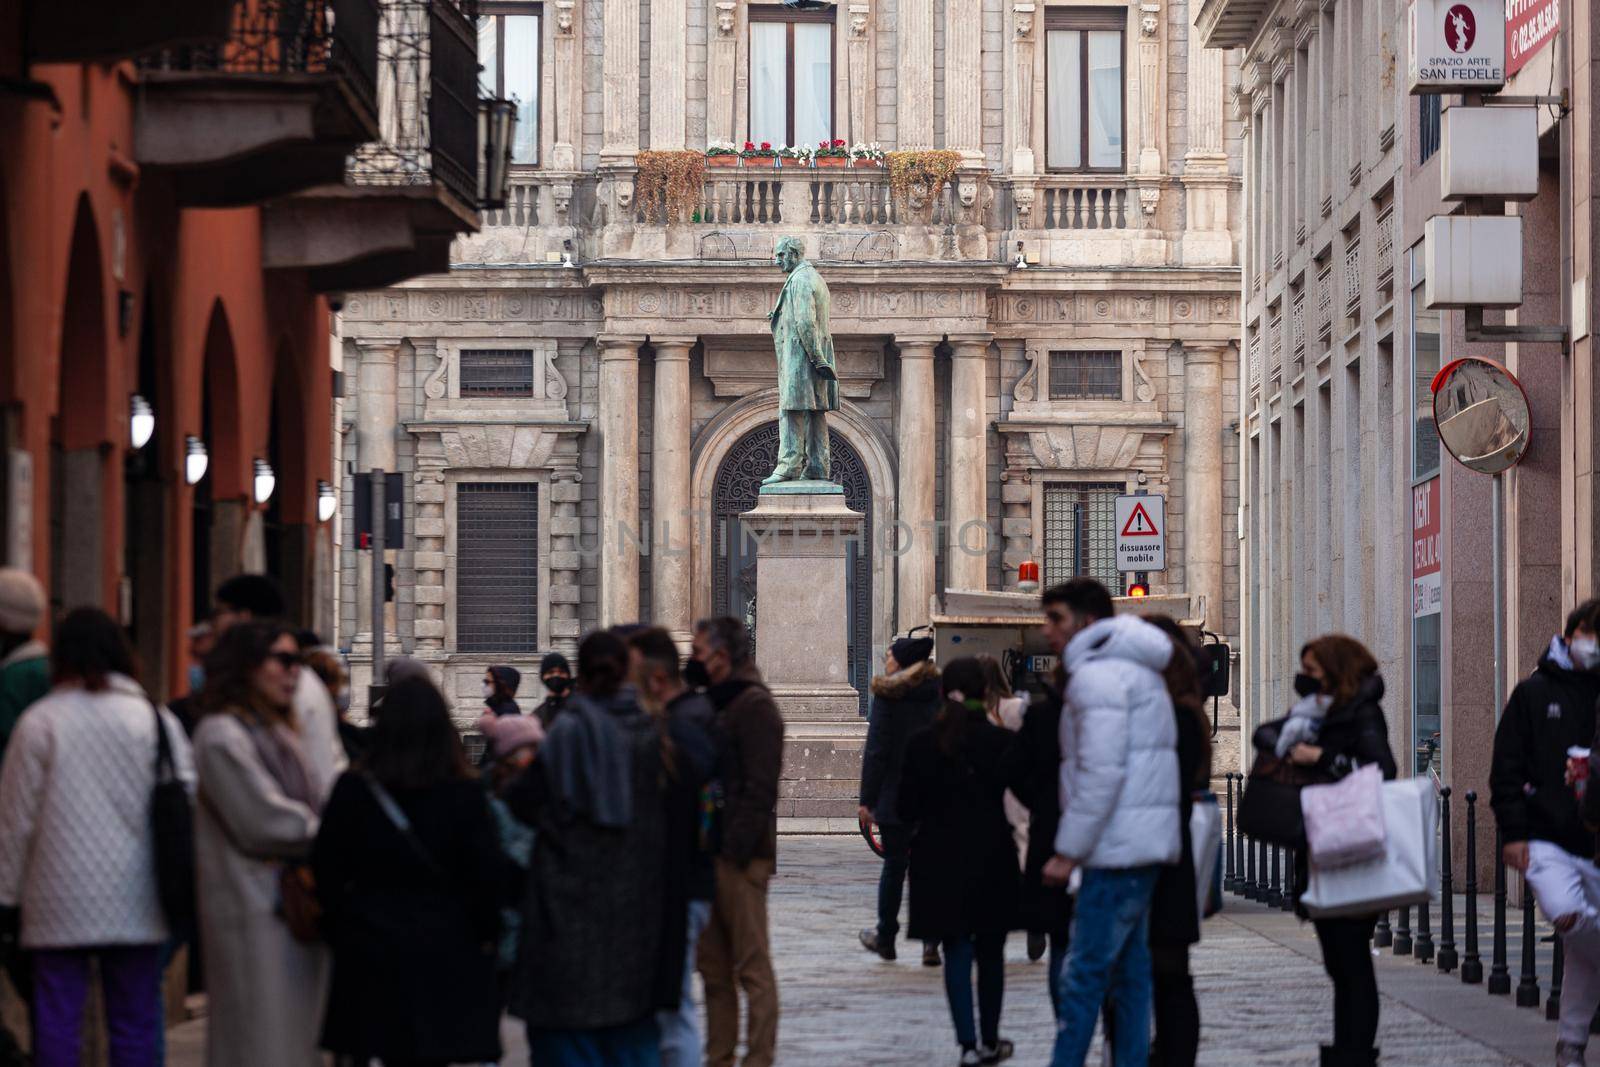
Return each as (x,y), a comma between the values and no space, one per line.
(808,386)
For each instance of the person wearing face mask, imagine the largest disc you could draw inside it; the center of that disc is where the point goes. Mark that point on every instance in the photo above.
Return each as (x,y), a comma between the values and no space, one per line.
(555,674)
(1542,829)
(202,638)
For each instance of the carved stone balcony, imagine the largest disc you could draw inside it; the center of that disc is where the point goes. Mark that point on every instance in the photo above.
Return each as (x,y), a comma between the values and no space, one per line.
(404,198)
(1089,219)
(274,109)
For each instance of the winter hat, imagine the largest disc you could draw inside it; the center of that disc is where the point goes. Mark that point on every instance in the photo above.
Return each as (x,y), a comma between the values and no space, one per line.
(21,601)
(507,733)
(403,667)
(553,661)
(509,677)
(910,650)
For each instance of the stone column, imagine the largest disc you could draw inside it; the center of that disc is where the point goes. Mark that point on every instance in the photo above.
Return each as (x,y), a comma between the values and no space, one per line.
(1152,95)
(669,33)
(376,421)
(566,495)
(620,78)
(620,534)
(569,87)
(721,63)
(1202,478)
(966,482)
(861,73)
(1020,106)
(963,78)
(671,512)
(1206,238)
(914,536)
(914,73)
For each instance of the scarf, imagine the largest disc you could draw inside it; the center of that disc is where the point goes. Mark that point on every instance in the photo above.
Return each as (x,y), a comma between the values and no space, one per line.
(279,749)
(1304,723)
(588,760)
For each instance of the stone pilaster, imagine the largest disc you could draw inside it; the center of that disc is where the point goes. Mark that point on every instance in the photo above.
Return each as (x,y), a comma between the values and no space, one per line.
(620,67)
(1202,479)
(1152,90)
(858,55)
(569,85)
(566,494)
(1207,240)
(966,482)
(722,63)
(669,31)
(914,73)
(376,422)
(914,537)
(671,514)
(1023,57)
(620,534)
(428,539)
(963,78)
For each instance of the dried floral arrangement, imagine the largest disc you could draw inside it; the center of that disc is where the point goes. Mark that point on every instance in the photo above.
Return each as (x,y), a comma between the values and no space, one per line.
(673,180)
(931,170)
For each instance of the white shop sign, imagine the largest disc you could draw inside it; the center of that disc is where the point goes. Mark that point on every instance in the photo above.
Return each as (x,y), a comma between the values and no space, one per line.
(1141,532)
(1457,46)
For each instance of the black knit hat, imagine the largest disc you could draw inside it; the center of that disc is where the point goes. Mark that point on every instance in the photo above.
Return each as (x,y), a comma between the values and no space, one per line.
(909,650)
(509,677)
(553,661)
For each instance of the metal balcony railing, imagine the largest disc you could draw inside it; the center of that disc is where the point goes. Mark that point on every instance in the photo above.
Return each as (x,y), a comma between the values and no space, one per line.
(428,100)
(291,38)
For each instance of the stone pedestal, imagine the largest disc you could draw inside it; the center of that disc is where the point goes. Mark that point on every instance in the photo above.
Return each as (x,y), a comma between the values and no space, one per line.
(802,532)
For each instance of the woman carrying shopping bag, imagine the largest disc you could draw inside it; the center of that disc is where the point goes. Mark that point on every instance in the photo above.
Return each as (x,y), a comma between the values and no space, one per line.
(1351,732)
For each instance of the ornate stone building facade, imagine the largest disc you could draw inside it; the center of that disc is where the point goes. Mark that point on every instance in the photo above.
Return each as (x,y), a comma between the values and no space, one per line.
(585,403)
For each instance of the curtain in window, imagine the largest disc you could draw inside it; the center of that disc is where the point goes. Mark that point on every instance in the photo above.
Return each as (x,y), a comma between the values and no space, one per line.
(488,54)
(1105,98)
(522,83)
(813,88)
(1063,110)
(768,83)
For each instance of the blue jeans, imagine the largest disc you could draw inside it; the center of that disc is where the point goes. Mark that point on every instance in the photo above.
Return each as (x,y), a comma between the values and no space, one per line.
(989,951)
(1109,953)
(633,1045)
(680,1030)
(892,882)
(1057,963)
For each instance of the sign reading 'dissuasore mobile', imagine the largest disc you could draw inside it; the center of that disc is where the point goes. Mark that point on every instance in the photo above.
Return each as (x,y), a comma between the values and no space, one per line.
(1141,532)
(1457,45)
(1530,25)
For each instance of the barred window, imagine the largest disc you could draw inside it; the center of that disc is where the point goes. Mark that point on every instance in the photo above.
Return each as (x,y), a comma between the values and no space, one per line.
(1086,376)
(496,372)
(1080,532)
(497,566)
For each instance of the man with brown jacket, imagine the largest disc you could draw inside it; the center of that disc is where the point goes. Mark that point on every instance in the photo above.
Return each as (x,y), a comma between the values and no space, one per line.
(735,951)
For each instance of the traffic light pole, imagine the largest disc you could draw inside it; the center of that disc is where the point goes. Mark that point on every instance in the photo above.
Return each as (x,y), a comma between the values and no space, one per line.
(375,690)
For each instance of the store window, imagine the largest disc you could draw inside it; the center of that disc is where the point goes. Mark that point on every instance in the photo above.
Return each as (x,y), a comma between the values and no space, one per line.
(497,566)
(1086,376)
(508,57)
(1080,532)
(1084,89)
(1427,600)
(791,75)
(1429,126)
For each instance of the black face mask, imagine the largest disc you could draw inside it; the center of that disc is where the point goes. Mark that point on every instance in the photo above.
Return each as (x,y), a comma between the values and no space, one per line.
(1306,685)
(557,685)
(695,674)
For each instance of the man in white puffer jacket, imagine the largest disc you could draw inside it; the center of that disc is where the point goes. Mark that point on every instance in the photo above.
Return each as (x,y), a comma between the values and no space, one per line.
(1119,812)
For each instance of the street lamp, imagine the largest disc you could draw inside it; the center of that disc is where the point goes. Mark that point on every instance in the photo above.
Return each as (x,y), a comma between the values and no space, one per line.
(327,502)
(141,421)
(497,120)
(195,459)
(266,481)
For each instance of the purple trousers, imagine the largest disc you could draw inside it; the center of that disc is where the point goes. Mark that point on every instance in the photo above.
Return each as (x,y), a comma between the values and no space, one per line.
(130,982)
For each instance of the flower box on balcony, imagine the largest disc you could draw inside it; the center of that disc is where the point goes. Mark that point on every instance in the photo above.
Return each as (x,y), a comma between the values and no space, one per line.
(832,161)
(761,161)
(876,164)
(722,161)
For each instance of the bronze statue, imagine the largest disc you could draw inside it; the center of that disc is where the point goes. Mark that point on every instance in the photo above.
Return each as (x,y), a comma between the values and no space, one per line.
(808,385)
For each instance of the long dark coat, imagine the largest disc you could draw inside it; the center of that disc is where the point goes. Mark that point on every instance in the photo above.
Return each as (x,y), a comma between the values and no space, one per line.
(964,875)
(1032,768)
(1174,919)
(902,703)
(413,946)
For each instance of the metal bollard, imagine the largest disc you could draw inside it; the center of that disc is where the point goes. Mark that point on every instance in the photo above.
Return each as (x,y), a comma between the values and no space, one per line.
(1290,888)
(1275,889)
(1383,933)
(1499,973)
(1248,863)
(1402,933)
(1558,968)
(1424,946)
(1230,874)
(1262,882)
(1528,985)
(1471,965)
(1447,905)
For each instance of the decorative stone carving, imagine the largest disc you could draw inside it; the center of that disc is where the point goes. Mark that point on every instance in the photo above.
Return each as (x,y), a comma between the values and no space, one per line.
(555,386)
(434,387)
(1143,390)
(968,192)
(1022,21)
(858,20)
(564,17)
(1022,202)
(1094,446)
(561,197)
(725,17)
(1147,25)
(1027,387)
(1149,199)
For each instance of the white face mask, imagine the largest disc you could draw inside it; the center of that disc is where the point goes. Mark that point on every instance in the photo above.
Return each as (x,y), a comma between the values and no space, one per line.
(1585,652)
(488,691)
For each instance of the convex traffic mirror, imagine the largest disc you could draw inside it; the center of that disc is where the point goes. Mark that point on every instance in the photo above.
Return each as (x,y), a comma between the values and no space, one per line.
(1482,414)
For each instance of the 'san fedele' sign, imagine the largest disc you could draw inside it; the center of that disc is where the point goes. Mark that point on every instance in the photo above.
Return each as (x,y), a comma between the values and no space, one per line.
(1457,45)
(1530,25)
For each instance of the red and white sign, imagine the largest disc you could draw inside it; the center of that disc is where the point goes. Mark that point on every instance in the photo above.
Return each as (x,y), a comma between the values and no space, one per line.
(1530,25)
(1141,532)
(1457,45)
(1427,551)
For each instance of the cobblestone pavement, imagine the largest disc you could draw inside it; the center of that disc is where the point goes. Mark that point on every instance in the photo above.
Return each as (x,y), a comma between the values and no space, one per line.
(1263,996)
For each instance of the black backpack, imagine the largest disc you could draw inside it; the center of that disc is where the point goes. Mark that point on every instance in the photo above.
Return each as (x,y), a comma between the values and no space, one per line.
(172,826)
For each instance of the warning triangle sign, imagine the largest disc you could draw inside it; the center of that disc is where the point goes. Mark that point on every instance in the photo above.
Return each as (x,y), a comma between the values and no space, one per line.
(1140,524)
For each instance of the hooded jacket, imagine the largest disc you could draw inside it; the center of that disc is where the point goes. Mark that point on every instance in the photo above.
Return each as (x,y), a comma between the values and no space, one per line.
(1119,759)
(902,703)
(1549,711)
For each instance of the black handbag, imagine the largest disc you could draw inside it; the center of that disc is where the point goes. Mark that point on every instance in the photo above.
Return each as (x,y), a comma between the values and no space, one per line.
(172,826)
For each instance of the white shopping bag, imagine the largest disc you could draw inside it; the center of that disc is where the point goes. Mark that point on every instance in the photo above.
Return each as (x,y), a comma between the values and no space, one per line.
(1205,838)
(1344,820)
(1408,871)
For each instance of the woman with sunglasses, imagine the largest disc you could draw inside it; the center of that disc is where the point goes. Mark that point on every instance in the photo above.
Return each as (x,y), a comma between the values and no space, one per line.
(257,814)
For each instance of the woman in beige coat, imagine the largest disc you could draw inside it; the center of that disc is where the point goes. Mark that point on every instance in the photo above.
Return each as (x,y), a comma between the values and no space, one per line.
(258,810)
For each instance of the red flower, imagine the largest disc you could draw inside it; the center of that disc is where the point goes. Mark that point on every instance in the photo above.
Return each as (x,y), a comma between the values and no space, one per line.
(766,146)
(749,146)
(822,144)
(838,143)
